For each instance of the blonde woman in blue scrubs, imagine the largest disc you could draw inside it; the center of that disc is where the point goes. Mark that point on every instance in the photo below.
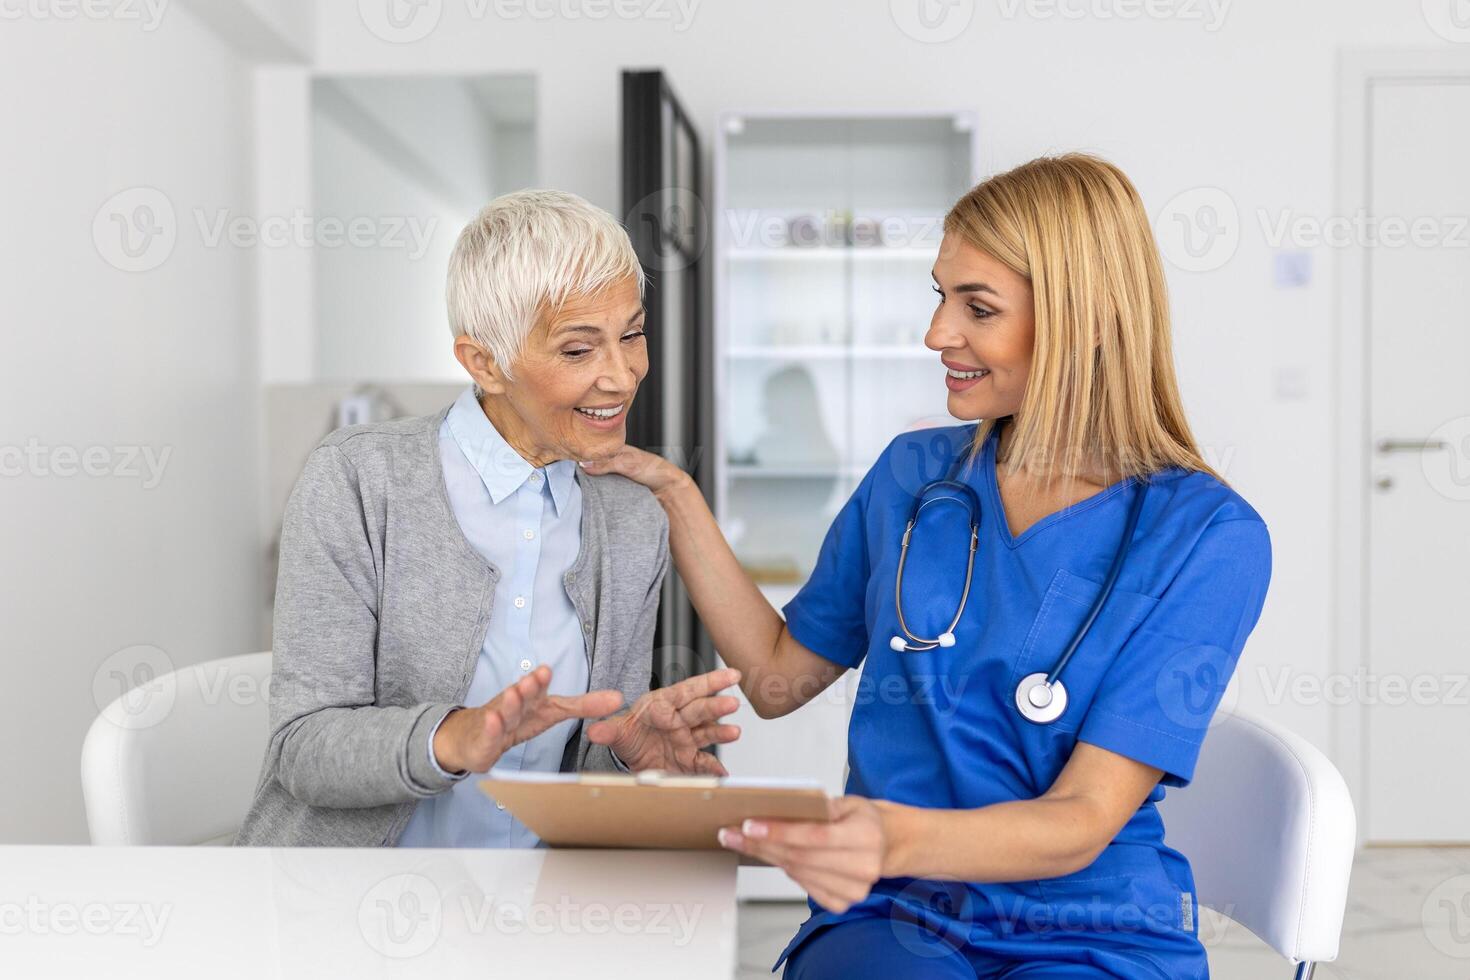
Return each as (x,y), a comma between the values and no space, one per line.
(974,841)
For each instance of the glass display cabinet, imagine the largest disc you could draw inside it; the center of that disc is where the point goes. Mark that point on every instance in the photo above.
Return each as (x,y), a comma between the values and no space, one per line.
(825,228)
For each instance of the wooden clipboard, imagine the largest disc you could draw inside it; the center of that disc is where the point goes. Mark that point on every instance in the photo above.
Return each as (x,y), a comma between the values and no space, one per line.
(647,809)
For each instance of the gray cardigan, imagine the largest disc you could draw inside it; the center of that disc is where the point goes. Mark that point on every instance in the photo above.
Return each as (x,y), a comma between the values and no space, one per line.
(381,610)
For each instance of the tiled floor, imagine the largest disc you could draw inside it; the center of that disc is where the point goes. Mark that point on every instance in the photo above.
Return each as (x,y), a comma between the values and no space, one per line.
(1408,918)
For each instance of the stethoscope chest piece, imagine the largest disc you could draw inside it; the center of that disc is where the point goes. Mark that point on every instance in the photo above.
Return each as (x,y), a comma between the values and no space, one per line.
(1039,701)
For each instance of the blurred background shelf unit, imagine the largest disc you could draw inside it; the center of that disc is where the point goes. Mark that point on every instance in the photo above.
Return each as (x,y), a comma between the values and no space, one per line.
(825,228)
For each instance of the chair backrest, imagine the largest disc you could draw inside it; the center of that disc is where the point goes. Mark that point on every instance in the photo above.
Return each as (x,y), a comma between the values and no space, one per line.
(1270,830)
(175,760)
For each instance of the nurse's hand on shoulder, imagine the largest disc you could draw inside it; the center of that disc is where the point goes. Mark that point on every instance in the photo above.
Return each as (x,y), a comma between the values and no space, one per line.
(640,466)
(669,728)
(837,863)
(474,739)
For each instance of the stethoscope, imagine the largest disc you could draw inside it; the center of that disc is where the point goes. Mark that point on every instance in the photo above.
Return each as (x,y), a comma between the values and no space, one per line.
(1039,697)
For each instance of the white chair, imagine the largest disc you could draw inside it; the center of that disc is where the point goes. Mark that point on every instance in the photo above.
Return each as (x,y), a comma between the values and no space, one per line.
(175,760)
(1270,830)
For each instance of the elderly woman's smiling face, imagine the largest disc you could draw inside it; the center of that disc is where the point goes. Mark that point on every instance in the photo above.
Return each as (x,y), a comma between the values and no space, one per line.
(574,382)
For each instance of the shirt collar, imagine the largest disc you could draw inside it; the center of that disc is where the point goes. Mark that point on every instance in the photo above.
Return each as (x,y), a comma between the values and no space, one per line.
(502,469)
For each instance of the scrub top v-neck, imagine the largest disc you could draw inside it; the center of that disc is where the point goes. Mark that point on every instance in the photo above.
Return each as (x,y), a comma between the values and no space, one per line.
(940,728)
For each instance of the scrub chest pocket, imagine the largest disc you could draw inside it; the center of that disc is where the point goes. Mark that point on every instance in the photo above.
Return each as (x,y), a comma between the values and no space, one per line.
(1063,609)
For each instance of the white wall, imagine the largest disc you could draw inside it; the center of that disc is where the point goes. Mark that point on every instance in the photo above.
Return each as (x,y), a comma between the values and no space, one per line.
(415,160)
(115,362)
(1247,107)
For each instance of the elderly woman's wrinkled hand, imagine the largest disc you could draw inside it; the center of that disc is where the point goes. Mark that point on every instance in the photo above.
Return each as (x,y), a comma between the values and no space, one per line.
(668,728)
(474,739)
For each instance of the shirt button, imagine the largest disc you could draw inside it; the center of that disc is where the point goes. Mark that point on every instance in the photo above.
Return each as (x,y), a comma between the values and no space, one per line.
(586,627)
(520,602)
(535,477)
(525,665)
(528,534)
(499,806)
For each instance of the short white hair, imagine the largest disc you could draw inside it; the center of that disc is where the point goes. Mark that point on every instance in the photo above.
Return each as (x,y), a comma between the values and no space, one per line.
(522,257)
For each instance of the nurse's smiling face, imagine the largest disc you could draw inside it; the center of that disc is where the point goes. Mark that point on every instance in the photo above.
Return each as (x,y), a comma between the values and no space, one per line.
(983,327)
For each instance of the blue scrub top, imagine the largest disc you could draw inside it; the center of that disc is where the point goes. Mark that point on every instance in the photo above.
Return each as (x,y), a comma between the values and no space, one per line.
(940,728)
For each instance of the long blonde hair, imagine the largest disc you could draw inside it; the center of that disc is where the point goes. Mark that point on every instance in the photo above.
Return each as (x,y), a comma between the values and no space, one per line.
(1076,228)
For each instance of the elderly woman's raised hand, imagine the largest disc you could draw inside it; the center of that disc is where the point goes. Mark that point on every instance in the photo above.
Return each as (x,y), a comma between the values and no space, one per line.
(475,738)
(668,728)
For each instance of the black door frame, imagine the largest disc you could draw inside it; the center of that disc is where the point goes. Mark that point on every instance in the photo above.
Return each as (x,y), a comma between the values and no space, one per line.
(663,210)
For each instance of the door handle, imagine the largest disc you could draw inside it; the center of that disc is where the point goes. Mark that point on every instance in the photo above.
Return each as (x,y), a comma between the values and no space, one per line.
(1386,446)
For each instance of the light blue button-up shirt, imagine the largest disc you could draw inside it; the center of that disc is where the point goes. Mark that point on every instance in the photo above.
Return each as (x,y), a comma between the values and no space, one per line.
(527,522)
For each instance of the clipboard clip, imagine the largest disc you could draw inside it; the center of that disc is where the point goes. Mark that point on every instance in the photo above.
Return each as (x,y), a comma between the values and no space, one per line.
(658,777)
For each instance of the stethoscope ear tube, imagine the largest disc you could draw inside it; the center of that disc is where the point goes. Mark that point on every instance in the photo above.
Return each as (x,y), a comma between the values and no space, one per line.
(908,642)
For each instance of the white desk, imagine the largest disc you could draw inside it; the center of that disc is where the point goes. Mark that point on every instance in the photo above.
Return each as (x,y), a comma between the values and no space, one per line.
(214,912)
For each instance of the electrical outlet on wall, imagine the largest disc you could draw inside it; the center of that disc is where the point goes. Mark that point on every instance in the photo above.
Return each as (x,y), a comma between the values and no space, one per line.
(1292,382)
(356,409)
(1291,268)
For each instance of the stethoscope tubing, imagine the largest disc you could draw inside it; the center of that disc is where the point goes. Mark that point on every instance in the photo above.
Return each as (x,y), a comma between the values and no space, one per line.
(922,644)
(1107,587)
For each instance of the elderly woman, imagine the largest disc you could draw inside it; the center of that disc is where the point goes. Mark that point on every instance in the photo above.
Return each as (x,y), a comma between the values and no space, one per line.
(456,593)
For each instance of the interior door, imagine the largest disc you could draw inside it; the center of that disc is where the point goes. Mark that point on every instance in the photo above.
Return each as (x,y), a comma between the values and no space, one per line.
(663,194)
(1417,704)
